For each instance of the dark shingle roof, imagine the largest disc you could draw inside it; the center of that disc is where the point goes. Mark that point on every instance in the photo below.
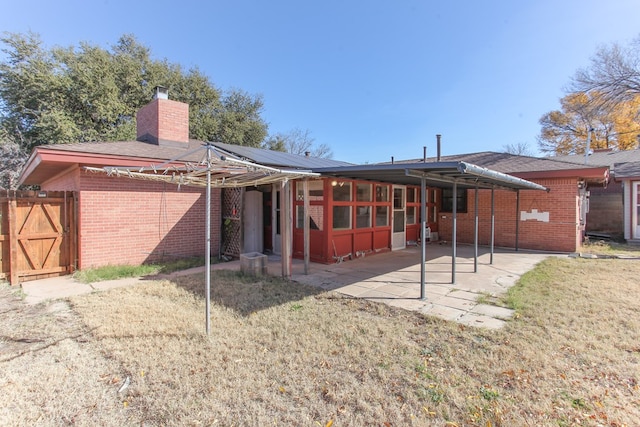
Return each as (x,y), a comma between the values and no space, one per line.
(627,170)
(602,158)
(189,152)
(136,149)
(504,162)
(278,158)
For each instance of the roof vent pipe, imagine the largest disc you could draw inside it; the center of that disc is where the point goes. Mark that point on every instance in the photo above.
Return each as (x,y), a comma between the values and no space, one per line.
(438,136)
(391,159)
(160,93)
(586,152)
(424,154)
(307,153)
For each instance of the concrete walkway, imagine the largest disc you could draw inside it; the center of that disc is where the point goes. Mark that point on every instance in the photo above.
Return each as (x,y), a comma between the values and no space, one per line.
(392,278)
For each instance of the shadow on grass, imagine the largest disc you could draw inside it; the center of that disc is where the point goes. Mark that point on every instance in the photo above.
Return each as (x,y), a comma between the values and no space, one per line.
(246,294)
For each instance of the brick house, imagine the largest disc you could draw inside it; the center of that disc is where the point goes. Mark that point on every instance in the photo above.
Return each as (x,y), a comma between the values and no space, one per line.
(123,221)
(352,209)
(613,208)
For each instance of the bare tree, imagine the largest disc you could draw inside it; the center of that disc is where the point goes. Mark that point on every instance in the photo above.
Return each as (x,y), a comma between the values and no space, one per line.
(518,148)
(298,141)
(614,71)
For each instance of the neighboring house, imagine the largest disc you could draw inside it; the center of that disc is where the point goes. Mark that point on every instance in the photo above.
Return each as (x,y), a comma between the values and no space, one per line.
(353,210)
(613,208)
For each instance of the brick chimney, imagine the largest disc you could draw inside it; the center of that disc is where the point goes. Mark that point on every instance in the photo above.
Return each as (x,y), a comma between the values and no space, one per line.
(163,122)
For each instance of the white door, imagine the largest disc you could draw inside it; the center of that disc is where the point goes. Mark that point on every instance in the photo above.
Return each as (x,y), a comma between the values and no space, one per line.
(253,231)
(635,232)
(398,220)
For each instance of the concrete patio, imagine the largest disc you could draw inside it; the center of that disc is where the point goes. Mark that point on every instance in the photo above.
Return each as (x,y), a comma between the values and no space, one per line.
(392,278)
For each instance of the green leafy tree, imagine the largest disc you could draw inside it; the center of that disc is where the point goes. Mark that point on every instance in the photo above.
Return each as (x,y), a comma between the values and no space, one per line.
(87,93)
(13,158)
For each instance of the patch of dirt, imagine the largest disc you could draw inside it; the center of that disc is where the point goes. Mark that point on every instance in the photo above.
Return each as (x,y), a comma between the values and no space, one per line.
(44,352)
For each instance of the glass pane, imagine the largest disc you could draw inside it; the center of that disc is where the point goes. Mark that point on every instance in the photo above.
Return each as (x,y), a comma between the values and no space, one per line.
(398,199)
(363,216)
(363,192)
(316,190)
(299,216)
(316,217)
(277,213)
(382,193)
(342,191)
(398,222)
(382,216)
(411,214)
(341,217)
(411,195)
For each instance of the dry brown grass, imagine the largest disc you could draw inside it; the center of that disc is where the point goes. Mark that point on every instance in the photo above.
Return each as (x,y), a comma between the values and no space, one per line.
(285,354)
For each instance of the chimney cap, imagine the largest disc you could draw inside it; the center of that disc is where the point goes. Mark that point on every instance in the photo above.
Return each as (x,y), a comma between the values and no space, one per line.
(160,92)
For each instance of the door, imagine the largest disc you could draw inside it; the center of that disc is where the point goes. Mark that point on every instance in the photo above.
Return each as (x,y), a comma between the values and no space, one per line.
(37,235)
(275,209)
(399,236)
(635,232)
(267,214)
(253,232)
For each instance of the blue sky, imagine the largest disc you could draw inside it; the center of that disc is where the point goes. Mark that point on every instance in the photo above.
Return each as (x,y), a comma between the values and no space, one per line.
(371,79)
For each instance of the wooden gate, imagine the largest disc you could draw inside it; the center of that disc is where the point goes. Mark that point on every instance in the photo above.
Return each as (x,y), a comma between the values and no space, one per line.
(37,234)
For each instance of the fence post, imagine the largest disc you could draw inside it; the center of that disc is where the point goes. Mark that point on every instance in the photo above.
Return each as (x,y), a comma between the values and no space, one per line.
(13,241)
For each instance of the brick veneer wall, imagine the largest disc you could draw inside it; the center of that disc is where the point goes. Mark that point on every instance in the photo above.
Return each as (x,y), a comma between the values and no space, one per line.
(126,221)
(163,120)
(562,233)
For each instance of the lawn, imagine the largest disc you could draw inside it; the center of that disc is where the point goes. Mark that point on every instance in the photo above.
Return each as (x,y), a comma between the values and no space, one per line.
(285,354)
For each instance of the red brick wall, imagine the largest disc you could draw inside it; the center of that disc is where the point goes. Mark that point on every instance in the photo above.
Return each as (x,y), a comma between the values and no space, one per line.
(163,120)
(562,233)
(126,221)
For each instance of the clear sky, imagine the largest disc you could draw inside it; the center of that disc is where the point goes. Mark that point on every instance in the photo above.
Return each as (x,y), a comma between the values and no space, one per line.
(372,79)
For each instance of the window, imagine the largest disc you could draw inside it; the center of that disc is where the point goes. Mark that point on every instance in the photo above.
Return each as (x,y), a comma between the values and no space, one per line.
(341,217)
(447,200)
(382,193)
(411,214)
(363,192)
(363,216)
(315,217)
(411,195)
(316,193)
(382,216)
(342,191)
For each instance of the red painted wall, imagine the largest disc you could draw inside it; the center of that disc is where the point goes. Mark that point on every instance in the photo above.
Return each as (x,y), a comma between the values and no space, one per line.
(126,221)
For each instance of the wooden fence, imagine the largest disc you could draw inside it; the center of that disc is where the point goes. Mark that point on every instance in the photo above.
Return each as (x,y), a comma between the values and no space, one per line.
(38,234)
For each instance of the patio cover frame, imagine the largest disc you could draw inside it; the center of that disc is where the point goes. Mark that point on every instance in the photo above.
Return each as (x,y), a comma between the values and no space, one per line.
(444,175)
(220,171)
